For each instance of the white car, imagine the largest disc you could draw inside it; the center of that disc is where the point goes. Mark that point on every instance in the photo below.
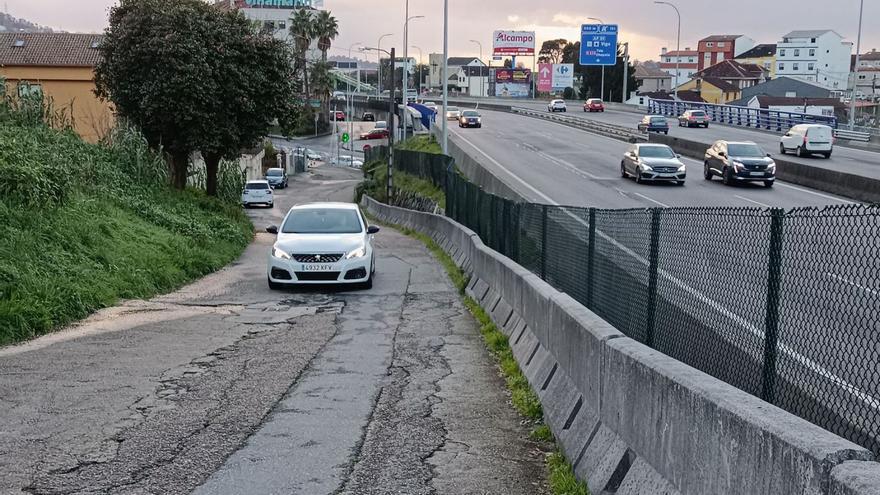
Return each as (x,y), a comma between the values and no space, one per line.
(806,139)
(556,106)
(381,124)
(431,105)
(322,243)
(313,155)
(257,192)
(453,113)
(348,160)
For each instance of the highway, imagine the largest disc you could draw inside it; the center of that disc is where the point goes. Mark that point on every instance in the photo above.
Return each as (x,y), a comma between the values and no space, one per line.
(713,280)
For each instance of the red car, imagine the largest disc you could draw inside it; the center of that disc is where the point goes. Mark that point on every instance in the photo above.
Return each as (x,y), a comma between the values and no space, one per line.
(340,116)
(594,105)
(375,134)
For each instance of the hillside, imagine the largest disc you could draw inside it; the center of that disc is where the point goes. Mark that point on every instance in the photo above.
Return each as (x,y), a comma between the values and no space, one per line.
(14,24)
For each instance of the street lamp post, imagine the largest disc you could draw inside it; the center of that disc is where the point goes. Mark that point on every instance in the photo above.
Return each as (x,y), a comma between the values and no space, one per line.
(677,42)
(602,95)
(481,67)
(349,106)
(625,70)
(445,77)
(379,57)
(852,97)
(405,98)
(420,68)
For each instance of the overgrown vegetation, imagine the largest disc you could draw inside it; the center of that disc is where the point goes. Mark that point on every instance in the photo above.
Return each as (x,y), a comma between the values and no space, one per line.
(82,225)
(376,178)
(559,472)
(426,143)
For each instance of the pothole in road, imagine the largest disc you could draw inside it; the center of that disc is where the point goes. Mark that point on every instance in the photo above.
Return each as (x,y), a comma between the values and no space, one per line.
(287,310)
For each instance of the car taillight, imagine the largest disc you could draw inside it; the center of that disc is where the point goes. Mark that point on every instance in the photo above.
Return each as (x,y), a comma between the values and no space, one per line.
(692,118)
(805,139)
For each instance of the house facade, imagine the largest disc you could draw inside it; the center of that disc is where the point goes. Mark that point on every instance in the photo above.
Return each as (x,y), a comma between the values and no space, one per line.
(686,61)
(763,55)
(60,68)
(817,56)
(867,75)
(652,80)
(723,82)
(720,47)
(435,68)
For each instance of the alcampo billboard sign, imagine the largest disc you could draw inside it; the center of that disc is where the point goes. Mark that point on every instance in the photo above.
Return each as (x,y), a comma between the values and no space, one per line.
(278,4)
(513,43)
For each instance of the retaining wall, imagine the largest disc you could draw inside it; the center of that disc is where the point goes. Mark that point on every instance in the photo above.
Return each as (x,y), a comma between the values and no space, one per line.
(630,419)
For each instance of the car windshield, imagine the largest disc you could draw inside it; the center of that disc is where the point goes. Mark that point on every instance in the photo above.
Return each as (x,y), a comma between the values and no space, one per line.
(658,120)
(452,109)
(470,113)
(594,101)
(698,113)
(656,152)
(745,150)
(256,185)
(275,172)
(322,221)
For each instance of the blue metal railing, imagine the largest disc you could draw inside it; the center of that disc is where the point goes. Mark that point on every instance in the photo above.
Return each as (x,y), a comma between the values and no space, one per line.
(757,118)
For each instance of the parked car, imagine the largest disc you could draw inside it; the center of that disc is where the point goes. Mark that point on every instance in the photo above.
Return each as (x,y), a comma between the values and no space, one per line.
(340,116)
(276,178)
(381,124)
(739,161)
(257,192)
(313,155)
(453,113)
(556,106)
(322,243)
(806,139)
(470,118)
(368,117)
(654,123)
(348,161)
(691,118)
(652,162)
(375,134)
(594,105)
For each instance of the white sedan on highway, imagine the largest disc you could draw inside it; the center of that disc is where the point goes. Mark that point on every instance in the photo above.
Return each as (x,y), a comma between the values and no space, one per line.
(556,106)
(322,243)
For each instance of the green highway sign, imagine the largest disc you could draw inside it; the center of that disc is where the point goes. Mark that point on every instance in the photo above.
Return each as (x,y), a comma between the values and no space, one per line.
(345,137)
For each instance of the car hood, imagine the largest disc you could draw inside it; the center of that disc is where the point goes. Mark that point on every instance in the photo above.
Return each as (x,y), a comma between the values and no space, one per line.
(752,160)
(319,243)
(662,162)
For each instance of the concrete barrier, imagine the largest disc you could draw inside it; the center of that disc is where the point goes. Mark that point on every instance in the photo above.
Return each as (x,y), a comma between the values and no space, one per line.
(630,419)
(852,186)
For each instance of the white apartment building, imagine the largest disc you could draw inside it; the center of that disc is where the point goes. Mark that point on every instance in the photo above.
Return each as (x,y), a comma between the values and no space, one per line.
(274,15)
(867,76)
(816,56)
(687,65)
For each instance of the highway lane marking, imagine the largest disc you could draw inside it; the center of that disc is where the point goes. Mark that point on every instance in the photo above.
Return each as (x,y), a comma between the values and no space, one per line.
(854,284)
(651,200)
(752,201)
(742,322)
(814,193)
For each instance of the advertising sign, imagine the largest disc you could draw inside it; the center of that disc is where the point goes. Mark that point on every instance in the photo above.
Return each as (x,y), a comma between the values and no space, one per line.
(563,76)
(278,4)
(513,83)
(598,44)
(545,78)
(513,43)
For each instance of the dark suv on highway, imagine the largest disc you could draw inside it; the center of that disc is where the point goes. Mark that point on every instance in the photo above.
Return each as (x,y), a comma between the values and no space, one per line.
(654,123)
(739,161)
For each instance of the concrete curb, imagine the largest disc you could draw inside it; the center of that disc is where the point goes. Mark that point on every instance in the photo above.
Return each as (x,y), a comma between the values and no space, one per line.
(630,419)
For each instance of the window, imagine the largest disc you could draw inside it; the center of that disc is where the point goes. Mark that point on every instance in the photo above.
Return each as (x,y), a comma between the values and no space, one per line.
(26,89)
(794,66)
(282,25)
(691,60)
(18,43)
(810,67)
(781,66)
(812,52)
(812,40)
(720,44)
(668,60)
(782,52)
(709,44)
(797,53)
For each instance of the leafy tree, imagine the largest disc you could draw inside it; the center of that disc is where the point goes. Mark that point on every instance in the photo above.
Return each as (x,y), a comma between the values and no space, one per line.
(326,29)
(157,69)
(591,76)
(552,51)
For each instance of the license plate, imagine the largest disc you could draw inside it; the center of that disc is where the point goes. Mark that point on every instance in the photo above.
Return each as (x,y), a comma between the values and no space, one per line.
(317,268)
(756,173)
(667,175)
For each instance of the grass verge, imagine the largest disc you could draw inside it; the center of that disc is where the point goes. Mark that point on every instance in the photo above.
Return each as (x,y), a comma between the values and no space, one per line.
(560,475)
(377,178)
(426,143)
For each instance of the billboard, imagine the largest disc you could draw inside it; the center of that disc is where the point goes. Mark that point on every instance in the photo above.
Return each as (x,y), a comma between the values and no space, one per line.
(563,76)
(512,83)
(545,78)
(513,43)
(278,4)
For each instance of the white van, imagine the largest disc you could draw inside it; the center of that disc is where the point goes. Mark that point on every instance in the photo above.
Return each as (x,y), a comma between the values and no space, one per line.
(806,139)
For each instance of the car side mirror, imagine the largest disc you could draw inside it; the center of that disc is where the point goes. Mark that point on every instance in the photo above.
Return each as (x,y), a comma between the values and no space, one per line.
(768,155)
(272,229)
(677,155)
(372,229)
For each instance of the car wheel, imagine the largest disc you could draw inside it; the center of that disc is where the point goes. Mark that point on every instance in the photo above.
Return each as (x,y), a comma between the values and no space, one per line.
(274,285)
(768,183)
(725,177)
(827,154)
(638,176)
(707,174)
(479,126)
(781,149)
(623,173)
(666,132)
(800,152)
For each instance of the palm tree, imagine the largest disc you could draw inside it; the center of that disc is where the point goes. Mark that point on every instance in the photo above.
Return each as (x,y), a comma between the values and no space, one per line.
(326,30)
(302,28)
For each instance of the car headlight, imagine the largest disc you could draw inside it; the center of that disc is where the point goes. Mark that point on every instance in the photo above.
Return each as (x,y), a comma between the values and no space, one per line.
(357,253)
(278,253)
(645,166)
(682,168)
(738,166)
(771,167)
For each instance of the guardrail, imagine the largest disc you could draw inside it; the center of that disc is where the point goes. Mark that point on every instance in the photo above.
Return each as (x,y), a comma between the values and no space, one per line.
(594,126)
(757,118)
(852,135)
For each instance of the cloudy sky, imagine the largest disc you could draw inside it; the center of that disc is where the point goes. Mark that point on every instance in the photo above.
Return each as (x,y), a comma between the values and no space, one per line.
(645,25)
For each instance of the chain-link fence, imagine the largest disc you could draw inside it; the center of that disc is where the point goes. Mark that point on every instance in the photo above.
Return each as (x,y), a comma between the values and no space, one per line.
(784,304)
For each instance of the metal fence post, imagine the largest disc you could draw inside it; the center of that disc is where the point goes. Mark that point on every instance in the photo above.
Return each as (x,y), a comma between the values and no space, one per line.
(653,260)
(544,242)
(516,227)
(771,317)
(591,252)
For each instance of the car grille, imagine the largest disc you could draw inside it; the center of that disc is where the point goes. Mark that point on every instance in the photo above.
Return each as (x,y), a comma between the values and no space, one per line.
(317,276)
(317,258)
(665,170)
(756,167)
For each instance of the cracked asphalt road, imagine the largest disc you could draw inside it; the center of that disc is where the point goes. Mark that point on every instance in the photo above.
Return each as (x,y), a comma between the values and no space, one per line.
(227,387)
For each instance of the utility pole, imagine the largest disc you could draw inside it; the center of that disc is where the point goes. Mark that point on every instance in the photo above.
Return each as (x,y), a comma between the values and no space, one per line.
(445,77)
(625,70)
(391,127)
(482,89)
(348,104)
(405,88)
(852,98)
